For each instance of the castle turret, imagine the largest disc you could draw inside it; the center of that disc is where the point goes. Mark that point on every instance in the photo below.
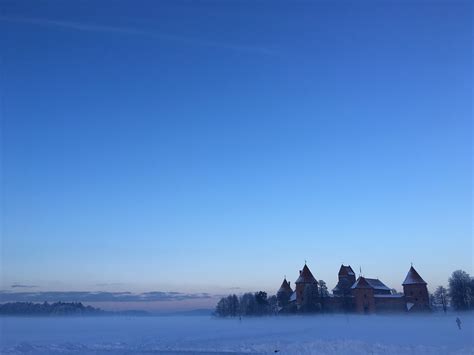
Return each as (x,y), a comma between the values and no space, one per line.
(285,287)
(284,293)
(346,279)
(415,290)
(305,278)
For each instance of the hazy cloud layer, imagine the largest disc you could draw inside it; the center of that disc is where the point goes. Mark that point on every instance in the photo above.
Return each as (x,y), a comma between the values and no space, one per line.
(87,296)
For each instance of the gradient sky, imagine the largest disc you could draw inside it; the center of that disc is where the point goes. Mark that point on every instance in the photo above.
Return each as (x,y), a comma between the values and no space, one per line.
(213,147)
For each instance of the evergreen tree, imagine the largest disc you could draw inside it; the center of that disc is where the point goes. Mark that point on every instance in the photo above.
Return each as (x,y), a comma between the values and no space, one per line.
(283,298)
(221,308)
(323,289)
(460,290)
(262,302)
(273,305)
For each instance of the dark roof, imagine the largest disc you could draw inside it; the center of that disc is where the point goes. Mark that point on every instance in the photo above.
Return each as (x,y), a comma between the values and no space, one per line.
(361,283)
(343,284)
(364,282)
(306,276)
(413,278)
(346,270)
(285,287)
(377,284)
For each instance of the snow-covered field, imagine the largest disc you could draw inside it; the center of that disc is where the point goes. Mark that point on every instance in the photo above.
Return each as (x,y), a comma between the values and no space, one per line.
(329,334)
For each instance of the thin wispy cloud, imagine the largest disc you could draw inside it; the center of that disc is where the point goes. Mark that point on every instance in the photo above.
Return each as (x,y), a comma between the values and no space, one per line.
(78,26)
(89,296)
(22,286)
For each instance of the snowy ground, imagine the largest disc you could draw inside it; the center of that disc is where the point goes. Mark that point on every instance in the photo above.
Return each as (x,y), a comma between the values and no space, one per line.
(330,334)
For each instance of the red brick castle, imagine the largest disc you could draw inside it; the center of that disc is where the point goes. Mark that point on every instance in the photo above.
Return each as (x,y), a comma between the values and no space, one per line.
(361,295)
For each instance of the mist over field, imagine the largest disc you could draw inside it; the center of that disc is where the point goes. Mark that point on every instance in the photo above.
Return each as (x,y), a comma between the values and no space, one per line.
(322,334)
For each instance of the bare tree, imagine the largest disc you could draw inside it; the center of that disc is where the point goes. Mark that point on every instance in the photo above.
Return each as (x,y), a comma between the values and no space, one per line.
(441,297)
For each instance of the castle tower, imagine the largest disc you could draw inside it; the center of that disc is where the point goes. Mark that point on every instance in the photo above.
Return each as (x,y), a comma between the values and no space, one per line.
(346,279)
(284,293)
(416,292)
(364,299)
(305,278)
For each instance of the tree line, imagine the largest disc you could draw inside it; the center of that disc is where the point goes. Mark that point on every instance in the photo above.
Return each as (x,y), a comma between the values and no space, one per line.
(248,304)
(48,309)
(259,304)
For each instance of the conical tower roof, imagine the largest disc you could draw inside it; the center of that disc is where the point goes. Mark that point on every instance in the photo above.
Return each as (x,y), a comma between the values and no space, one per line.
(306,276)
(285,287)
(413,278)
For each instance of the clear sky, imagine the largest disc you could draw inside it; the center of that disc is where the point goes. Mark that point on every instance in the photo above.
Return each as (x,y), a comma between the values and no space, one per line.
(214,146)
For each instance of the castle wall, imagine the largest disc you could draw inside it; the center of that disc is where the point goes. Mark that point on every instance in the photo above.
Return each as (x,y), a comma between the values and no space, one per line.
(392,303)
(338,304)
(364,300)
(299,293)
(418,295)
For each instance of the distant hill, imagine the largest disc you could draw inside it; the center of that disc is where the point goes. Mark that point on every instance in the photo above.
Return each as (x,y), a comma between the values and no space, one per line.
(59,309)
(49,309)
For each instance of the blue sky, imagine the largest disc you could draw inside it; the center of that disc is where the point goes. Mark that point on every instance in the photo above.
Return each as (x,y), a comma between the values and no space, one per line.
(185,147)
